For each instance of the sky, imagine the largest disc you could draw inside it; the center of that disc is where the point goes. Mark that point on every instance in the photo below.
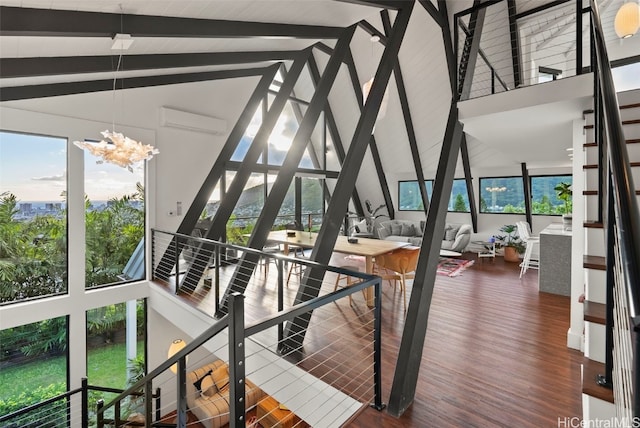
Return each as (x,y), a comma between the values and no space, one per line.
(33,168)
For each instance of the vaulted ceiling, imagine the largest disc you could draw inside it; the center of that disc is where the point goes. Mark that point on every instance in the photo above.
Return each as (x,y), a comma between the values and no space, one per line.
(67,44)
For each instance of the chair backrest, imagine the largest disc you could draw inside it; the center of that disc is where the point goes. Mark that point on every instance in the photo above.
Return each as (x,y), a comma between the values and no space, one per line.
(402,260)
(523,230)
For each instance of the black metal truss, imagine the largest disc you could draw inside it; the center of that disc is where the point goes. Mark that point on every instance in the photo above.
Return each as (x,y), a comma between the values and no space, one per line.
(218,169)
(449,52)
(515,45)
(18,21)
(12,93)
(408,121)
(526,186)
(466,165)
(326,239)
(258,238)
(247,167)
(470,53)
(49,66)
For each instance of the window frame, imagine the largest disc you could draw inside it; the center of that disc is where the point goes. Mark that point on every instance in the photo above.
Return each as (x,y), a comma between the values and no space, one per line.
(531,177)
(501,177)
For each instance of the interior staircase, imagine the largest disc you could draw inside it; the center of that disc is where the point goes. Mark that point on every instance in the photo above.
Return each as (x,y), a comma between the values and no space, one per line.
(598,400)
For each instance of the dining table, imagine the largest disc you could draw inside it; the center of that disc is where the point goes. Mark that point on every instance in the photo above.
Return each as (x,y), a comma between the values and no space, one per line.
(368,248)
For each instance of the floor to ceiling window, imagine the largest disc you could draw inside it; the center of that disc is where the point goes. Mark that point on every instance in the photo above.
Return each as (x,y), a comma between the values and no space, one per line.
(33,219)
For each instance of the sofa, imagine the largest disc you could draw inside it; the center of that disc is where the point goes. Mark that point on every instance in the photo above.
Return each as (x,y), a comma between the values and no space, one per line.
(208,394)
(456,236)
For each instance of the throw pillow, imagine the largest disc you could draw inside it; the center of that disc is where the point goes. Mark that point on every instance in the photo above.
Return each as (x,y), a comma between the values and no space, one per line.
(198,383)
(408,230)
(221,377)
(362,226)
(208,386)
(420,229)
(450,233)
(396,229)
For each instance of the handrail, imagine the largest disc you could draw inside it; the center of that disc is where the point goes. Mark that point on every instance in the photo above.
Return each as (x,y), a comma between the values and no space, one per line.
(224,322)
(36,406)
(626,208)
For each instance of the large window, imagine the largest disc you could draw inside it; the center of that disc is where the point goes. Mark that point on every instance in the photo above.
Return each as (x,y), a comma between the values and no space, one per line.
(501,195)
(545,197)
(34,361)
(33,216)
(114,223)
(409,198)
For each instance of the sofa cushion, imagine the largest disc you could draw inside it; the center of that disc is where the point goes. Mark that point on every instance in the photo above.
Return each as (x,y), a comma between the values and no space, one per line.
(450,233)
(408,230)
(396,229)
(420,229)
(397,238)
(208,386)
(198,382)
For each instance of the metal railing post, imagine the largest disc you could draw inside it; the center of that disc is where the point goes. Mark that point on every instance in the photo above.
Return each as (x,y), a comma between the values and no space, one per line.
(280,299)
(216,284)
(176,260)
(377,348)
(236,361)
(148,403)
(181,387)
(100,415)
(85,402)
(606,379)
(158,411)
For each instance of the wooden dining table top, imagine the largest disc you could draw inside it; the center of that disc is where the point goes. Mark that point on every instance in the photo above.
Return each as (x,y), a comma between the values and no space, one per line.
(367,247)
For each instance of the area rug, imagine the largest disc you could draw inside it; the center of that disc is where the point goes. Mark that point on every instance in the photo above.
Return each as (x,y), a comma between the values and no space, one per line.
(452,267)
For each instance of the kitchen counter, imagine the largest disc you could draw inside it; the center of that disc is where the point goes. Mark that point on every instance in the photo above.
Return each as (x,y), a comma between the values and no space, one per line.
(554,274)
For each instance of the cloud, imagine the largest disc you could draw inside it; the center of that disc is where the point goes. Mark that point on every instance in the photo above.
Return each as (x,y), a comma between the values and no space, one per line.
(61,177)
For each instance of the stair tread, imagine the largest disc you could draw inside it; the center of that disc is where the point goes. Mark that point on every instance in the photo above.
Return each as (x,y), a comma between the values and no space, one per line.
(593,224)
(590,371)
(630,141)
(595,165)
(624,122)
(595,192)
(595,312)
(594,262)
(623,107)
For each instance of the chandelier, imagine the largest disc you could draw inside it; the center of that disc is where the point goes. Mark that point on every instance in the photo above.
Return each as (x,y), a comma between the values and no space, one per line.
(117,149)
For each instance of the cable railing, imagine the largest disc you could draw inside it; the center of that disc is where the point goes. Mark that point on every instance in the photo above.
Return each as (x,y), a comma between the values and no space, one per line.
(323,369)
(622,365)
(58,411)
(537,46)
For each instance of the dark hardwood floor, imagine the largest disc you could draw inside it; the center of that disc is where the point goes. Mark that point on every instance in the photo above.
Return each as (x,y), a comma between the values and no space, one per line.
(495,351)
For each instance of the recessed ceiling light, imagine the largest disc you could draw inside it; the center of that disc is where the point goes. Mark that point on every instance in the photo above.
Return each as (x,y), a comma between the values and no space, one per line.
(570,149)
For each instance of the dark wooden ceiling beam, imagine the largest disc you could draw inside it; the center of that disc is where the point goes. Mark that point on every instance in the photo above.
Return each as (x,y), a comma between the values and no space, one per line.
(49,66)
(18,21)
(58,89)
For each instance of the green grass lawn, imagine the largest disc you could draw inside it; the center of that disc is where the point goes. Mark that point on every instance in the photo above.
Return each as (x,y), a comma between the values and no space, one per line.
(106,367)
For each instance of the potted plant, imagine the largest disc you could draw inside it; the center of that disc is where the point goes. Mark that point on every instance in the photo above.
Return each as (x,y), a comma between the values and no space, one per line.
(510,242)
(565,193)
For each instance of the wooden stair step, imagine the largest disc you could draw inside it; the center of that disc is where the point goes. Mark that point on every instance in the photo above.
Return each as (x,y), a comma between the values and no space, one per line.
(595,192)
(595,312)
(626,106)
(591,224)
(624,122)
(594,262)
(595,166)
(631,141)
(590,372)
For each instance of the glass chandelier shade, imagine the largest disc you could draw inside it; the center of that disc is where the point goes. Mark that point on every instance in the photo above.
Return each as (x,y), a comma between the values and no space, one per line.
(117,149)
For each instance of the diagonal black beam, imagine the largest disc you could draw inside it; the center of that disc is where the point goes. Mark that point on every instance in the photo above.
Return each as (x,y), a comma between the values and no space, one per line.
(415,327)
(466,165)
(435,13)
(515,46)
(375,154)
(408,121)
(333,131)
(218,169)
(48,66)
(472,47)
(526,185)
(272,205)
(373,31)
(247,167)
(540,8)
(17,21)
(387,4)
(449,52)
(326,239)
(13,93)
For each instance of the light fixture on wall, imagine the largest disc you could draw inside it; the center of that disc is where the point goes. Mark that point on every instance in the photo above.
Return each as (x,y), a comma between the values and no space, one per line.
(114,147)
(366,87)
(176,346)
(627,20)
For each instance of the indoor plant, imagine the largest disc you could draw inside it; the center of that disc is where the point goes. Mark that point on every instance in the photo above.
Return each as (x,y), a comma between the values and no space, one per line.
(511,242)
(565,193)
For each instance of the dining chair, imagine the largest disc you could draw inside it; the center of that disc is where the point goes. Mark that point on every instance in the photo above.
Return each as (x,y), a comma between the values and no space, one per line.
(400,265)
(531,241)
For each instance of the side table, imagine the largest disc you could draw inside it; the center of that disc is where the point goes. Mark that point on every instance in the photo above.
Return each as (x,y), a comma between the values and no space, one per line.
(488,250)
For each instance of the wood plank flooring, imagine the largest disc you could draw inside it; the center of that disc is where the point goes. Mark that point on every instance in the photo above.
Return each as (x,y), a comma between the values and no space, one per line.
(495,351)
